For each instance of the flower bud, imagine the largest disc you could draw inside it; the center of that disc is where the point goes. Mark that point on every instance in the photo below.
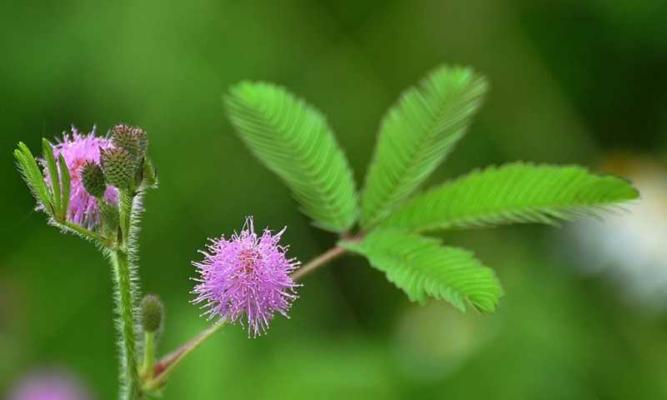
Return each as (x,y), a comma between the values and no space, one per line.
(92,178)
(134,140)
(119,167)
(110,216)
(152,313)
(148,176)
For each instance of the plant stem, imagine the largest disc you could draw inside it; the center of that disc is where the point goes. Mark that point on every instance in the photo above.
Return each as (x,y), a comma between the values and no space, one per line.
(88,234)
(317,262)
(125,292)
(167,364)
(149,355)
(124,215)
(126,324)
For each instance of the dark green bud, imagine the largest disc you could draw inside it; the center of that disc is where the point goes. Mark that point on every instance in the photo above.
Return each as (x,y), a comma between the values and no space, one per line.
(119,167)
(134,140)
(93,179)
(152,313)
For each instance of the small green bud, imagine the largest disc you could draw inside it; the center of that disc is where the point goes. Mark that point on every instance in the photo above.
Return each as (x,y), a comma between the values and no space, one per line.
(152,313)
(110,216)
(119,167)
(149,176)
(134,140)
(93,179)
(142,138)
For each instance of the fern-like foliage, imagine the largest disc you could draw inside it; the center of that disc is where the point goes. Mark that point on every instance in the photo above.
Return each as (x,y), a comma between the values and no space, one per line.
(514,193)
(423,268)
(294,141)
(416,135)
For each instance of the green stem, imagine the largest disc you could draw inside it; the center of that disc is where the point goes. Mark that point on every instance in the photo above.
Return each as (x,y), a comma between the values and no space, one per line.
(149,355)
(165,366)
(126,326)
(317,262)
(125,215)
(125,292)
(88,234)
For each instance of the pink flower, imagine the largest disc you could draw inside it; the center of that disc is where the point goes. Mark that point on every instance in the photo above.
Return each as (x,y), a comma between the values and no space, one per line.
(49,385)
(246,276)
(77,149)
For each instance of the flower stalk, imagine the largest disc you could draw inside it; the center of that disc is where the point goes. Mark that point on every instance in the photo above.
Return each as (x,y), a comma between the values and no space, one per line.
(148,364)
(317,262)
(124,294)
(163,368)
(125,298)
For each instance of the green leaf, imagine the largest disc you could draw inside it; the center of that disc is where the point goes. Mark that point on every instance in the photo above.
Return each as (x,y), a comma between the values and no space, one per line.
(294,141)
(514,193)
(54,177)
(423,268)
(416,135)
(65,183)
(32,175)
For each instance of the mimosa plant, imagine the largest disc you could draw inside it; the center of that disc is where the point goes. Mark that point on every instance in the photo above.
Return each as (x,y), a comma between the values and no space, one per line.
(93,186)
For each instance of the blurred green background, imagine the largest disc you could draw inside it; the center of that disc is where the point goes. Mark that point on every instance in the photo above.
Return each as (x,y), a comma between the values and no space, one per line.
(572,81)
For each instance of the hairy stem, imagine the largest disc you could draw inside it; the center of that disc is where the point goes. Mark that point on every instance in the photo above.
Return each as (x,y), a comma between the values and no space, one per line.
(83,232)
(125,300)
(149,355)
(126,324)
(125,215)
(167,364)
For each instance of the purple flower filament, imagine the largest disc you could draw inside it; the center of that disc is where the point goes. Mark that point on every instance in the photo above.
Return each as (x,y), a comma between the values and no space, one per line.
(77,149)
(247,276)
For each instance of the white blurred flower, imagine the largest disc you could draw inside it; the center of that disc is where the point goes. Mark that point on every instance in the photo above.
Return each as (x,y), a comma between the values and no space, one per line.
(630,248)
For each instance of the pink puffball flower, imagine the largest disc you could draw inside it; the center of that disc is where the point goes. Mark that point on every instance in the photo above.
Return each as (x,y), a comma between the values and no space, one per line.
(246,277)
(77,149)
(49,385)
